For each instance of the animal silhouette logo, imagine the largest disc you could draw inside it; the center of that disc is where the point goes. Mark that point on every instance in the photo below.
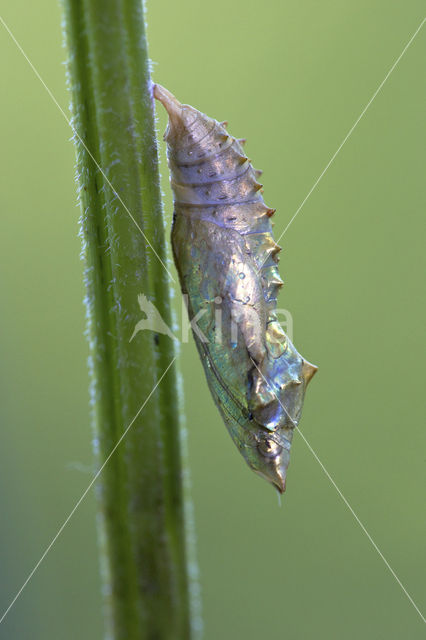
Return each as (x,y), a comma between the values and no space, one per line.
(153,320)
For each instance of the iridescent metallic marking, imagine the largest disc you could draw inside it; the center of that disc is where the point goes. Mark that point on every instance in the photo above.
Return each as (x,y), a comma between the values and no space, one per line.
(225,253)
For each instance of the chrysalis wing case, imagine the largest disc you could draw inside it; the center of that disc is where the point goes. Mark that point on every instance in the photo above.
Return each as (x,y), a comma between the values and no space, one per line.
(226,258)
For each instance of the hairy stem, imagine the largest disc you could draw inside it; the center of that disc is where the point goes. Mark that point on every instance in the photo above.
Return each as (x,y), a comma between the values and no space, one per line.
(141,493)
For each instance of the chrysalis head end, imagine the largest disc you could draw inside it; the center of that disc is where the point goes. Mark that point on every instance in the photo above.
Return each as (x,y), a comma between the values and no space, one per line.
(170,103)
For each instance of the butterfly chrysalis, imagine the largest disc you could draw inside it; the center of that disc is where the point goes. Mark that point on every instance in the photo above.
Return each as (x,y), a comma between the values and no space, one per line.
(226,259)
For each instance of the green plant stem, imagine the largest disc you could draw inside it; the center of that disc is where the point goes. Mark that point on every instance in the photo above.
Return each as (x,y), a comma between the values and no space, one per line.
(140,491)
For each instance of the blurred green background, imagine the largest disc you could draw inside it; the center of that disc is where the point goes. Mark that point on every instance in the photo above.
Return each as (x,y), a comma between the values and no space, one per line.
(292,77)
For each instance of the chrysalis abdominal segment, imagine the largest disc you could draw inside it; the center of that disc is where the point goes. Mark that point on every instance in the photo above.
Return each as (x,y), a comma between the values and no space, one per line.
(224,249)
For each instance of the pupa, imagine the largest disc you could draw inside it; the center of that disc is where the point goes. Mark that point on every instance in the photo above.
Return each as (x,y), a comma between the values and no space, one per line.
(226,258)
